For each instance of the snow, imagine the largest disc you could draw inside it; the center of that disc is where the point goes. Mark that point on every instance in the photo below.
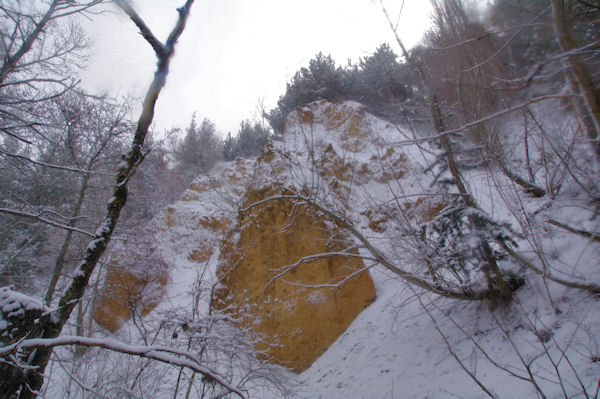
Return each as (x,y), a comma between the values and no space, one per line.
(12,305)
(122,165)
(398,347)
(12,300)
(105,226)
(394,349)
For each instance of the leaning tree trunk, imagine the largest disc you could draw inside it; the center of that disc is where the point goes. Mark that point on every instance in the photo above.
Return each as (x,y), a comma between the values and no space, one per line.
(27,381)
(498,288)
(583,82)
(60,261)
(499,291)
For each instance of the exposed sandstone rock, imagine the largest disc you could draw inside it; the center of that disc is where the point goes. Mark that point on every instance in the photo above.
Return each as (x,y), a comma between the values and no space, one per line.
(348,119)
(310,305)
(135,283)
(137,276)
(300,314)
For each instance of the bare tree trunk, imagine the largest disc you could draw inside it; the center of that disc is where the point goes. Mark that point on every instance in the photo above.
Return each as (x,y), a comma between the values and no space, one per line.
(583,80)
(189,388)
(79,349)
(498,288)
(526,147)
(60,261)
(529,187)
(438,122)
(29,381)
(586,123)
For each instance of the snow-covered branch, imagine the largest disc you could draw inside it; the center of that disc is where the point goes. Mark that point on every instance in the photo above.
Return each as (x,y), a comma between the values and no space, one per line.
(377,255)
(40,356)
(42,219)
(145,31)
(162,354)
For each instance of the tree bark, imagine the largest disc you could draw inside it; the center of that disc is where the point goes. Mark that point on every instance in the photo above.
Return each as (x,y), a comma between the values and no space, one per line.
(582,77)
(60,260)
(30,380)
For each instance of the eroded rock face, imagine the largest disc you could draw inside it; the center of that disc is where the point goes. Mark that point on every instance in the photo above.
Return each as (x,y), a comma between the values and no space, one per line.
(135,284)
(300,308)
(329,151)
(139,270)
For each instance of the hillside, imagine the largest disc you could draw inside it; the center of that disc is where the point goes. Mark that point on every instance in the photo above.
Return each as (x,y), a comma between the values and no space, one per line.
(421,221)
(424,335)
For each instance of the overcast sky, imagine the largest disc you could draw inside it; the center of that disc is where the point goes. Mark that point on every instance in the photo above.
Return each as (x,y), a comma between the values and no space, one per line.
(235,52)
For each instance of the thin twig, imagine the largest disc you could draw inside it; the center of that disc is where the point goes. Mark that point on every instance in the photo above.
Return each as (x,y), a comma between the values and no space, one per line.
(39,218)
(593,236)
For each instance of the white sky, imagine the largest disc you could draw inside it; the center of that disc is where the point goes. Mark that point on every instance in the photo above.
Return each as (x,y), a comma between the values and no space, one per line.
(235,52)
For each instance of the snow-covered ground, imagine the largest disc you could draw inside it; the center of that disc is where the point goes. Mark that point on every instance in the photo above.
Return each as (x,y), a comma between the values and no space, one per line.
(394,349)
(409,343)
(545,343)
(418,345)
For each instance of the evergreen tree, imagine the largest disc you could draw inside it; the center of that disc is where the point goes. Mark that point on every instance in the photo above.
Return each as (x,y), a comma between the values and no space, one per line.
(229,147)
(322,79)
(380,79)
(249,141)
(190,146)
(199,150)
(209,153)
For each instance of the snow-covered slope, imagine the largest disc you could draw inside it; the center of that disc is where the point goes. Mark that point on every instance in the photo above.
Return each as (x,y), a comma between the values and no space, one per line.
(395,350)
(411,342)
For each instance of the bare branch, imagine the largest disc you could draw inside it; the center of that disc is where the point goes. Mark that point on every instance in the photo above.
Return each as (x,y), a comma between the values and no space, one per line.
(331,285)
(506,43)
(11,61)
(53,166)
(451,349)
(484,36)
(145,31)
(163,354)
(593,236)
(593,288)
(312,258)
(482,120)
(377,255)
(39,218)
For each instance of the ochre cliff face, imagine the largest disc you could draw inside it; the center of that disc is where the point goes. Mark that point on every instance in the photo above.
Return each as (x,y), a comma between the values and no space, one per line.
(299,310)
(137,275)
(134,284)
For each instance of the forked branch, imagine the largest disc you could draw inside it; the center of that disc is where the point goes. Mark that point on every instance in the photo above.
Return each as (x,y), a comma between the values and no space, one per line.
(30,381)
(377,256)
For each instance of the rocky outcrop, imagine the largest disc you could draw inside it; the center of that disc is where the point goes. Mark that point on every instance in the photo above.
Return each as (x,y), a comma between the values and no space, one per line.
(285,270)
(135,283)
(281,274)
